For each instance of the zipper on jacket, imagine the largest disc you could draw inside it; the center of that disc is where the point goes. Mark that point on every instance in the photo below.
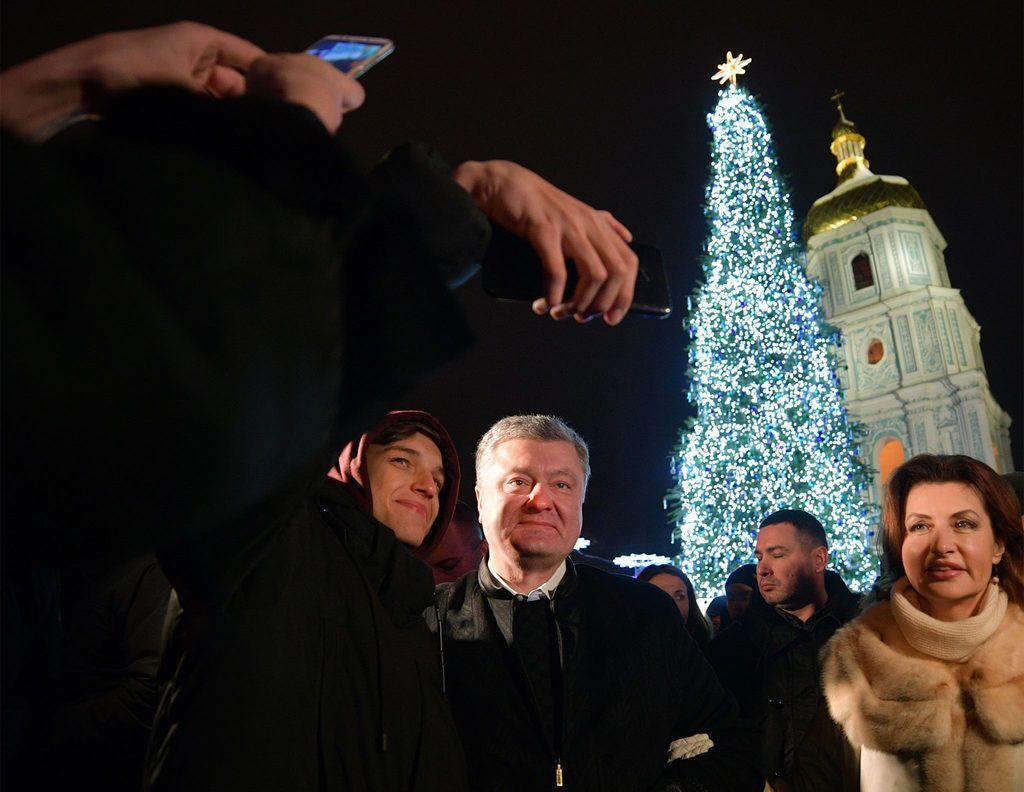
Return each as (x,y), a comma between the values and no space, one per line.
(559,781)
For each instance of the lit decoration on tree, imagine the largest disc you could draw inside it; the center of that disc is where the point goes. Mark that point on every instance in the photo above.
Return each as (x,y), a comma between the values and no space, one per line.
(731,69)
(640,560)
(771,431)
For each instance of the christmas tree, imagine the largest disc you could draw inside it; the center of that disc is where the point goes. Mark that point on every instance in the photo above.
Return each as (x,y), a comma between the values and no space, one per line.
(771,430)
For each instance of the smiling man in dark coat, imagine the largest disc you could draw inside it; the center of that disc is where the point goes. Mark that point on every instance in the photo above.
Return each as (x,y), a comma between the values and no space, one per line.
(565,676)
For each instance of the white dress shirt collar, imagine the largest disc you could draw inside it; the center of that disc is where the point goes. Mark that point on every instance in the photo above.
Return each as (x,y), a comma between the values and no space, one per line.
(546,589)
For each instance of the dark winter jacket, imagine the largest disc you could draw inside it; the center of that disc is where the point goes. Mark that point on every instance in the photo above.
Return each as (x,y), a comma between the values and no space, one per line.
(313,670)
(112,615)
(634,682)
(769,660)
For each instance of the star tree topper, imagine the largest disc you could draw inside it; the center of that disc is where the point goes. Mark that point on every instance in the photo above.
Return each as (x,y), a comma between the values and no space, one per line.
(732,68)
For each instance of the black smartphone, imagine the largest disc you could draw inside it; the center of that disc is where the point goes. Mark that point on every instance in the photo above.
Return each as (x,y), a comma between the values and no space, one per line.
(512,271)
(354,55)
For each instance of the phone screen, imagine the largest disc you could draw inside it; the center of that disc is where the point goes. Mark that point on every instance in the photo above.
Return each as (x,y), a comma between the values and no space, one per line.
(353,55)
(343,55)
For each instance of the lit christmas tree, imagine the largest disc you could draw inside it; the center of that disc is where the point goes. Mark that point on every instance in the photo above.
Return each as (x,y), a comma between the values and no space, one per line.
(771,431)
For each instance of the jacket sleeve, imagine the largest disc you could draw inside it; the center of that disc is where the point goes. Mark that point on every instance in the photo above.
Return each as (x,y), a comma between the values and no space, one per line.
(708,708)
(199,298)
(122,713)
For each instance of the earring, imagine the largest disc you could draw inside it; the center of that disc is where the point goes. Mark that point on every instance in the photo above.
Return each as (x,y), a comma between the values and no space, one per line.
(995,575)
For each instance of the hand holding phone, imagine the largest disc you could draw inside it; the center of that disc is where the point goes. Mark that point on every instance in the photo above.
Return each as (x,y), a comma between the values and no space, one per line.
(353,55)
(512,271)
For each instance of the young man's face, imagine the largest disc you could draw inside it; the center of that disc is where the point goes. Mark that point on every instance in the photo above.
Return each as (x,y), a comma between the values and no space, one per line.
(530,498)
(406,478)
(787,569)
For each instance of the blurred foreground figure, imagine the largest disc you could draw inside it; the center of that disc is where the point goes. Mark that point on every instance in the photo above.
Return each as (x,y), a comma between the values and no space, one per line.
(202,300)
(112,618)
(565,675)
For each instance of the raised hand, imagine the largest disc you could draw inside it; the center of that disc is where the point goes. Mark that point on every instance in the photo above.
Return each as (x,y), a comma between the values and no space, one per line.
(559,227)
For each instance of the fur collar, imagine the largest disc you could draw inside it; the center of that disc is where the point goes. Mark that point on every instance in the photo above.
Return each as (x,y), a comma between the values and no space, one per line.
(957,721)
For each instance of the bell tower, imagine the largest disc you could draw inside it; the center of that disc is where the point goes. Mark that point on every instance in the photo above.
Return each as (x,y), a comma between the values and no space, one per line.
(914,378)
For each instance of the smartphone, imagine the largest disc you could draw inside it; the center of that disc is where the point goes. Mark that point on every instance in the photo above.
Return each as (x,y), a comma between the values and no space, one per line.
(354,55)
(512,271)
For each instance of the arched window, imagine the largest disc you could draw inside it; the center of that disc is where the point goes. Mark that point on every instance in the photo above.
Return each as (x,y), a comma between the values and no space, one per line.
(890,457)
(876,351)
(861,267)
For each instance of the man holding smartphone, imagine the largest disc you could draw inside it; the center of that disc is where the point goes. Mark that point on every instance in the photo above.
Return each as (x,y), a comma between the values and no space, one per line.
(201,300)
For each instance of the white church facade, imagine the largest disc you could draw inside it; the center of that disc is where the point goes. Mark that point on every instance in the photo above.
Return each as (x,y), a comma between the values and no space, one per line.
(910,362)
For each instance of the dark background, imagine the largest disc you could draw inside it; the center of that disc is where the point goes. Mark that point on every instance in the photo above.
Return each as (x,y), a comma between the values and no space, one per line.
(608,101)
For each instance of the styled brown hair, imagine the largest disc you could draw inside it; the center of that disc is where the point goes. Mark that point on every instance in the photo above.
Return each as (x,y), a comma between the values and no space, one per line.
(997,496)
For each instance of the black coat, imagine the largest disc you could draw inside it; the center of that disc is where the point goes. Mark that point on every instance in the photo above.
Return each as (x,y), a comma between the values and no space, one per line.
(112,618)
(769,660)
(202,301)
(634,682)
(310,670)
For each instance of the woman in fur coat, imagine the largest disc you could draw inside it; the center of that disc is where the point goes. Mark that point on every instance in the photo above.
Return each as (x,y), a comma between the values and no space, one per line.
(929,685)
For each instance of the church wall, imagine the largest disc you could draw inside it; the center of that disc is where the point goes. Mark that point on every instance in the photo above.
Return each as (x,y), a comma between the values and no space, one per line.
(928,390)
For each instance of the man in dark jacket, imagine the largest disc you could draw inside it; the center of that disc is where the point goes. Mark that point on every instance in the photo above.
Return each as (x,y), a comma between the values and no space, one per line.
(339,596)
(769,658)
(563,675)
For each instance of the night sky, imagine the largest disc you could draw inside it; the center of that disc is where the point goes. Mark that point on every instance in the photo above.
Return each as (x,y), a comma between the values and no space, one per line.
(610,105)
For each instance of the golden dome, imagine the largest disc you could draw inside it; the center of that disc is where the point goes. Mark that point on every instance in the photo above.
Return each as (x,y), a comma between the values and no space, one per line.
(859,192)
(844,127)
(876,192)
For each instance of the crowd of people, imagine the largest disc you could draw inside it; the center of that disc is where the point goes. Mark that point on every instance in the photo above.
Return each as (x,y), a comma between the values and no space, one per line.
(247,571)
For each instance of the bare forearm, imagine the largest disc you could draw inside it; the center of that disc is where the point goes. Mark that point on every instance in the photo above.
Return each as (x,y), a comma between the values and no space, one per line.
(41,95)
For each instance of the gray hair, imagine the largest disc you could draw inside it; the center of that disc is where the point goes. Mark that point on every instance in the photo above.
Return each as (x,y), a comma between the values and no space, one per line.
(546,428)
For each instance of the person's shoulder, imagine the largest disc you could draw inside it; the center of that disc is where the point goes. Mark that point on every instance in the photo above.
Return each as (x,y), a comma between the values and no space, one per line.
(1015,614)
(625,592)
(999,661)
(1011,630)
(594,579)
(736,640)
(843,603)
(452,595)
(864,636)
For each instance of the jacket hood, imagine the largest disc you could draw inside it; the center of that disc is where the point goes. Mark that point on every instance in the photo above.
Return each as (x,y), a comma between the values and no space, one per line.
(351,471)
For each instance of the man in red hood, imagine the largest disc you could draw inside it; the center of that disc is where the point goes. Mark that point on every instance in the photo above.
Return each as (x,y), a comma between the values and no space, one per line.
(334,628)
(405,473)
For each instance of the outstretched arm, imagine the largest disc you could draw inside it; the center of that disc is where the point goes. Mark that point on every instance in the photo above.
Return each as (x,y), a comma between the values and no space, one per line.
(42,95)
